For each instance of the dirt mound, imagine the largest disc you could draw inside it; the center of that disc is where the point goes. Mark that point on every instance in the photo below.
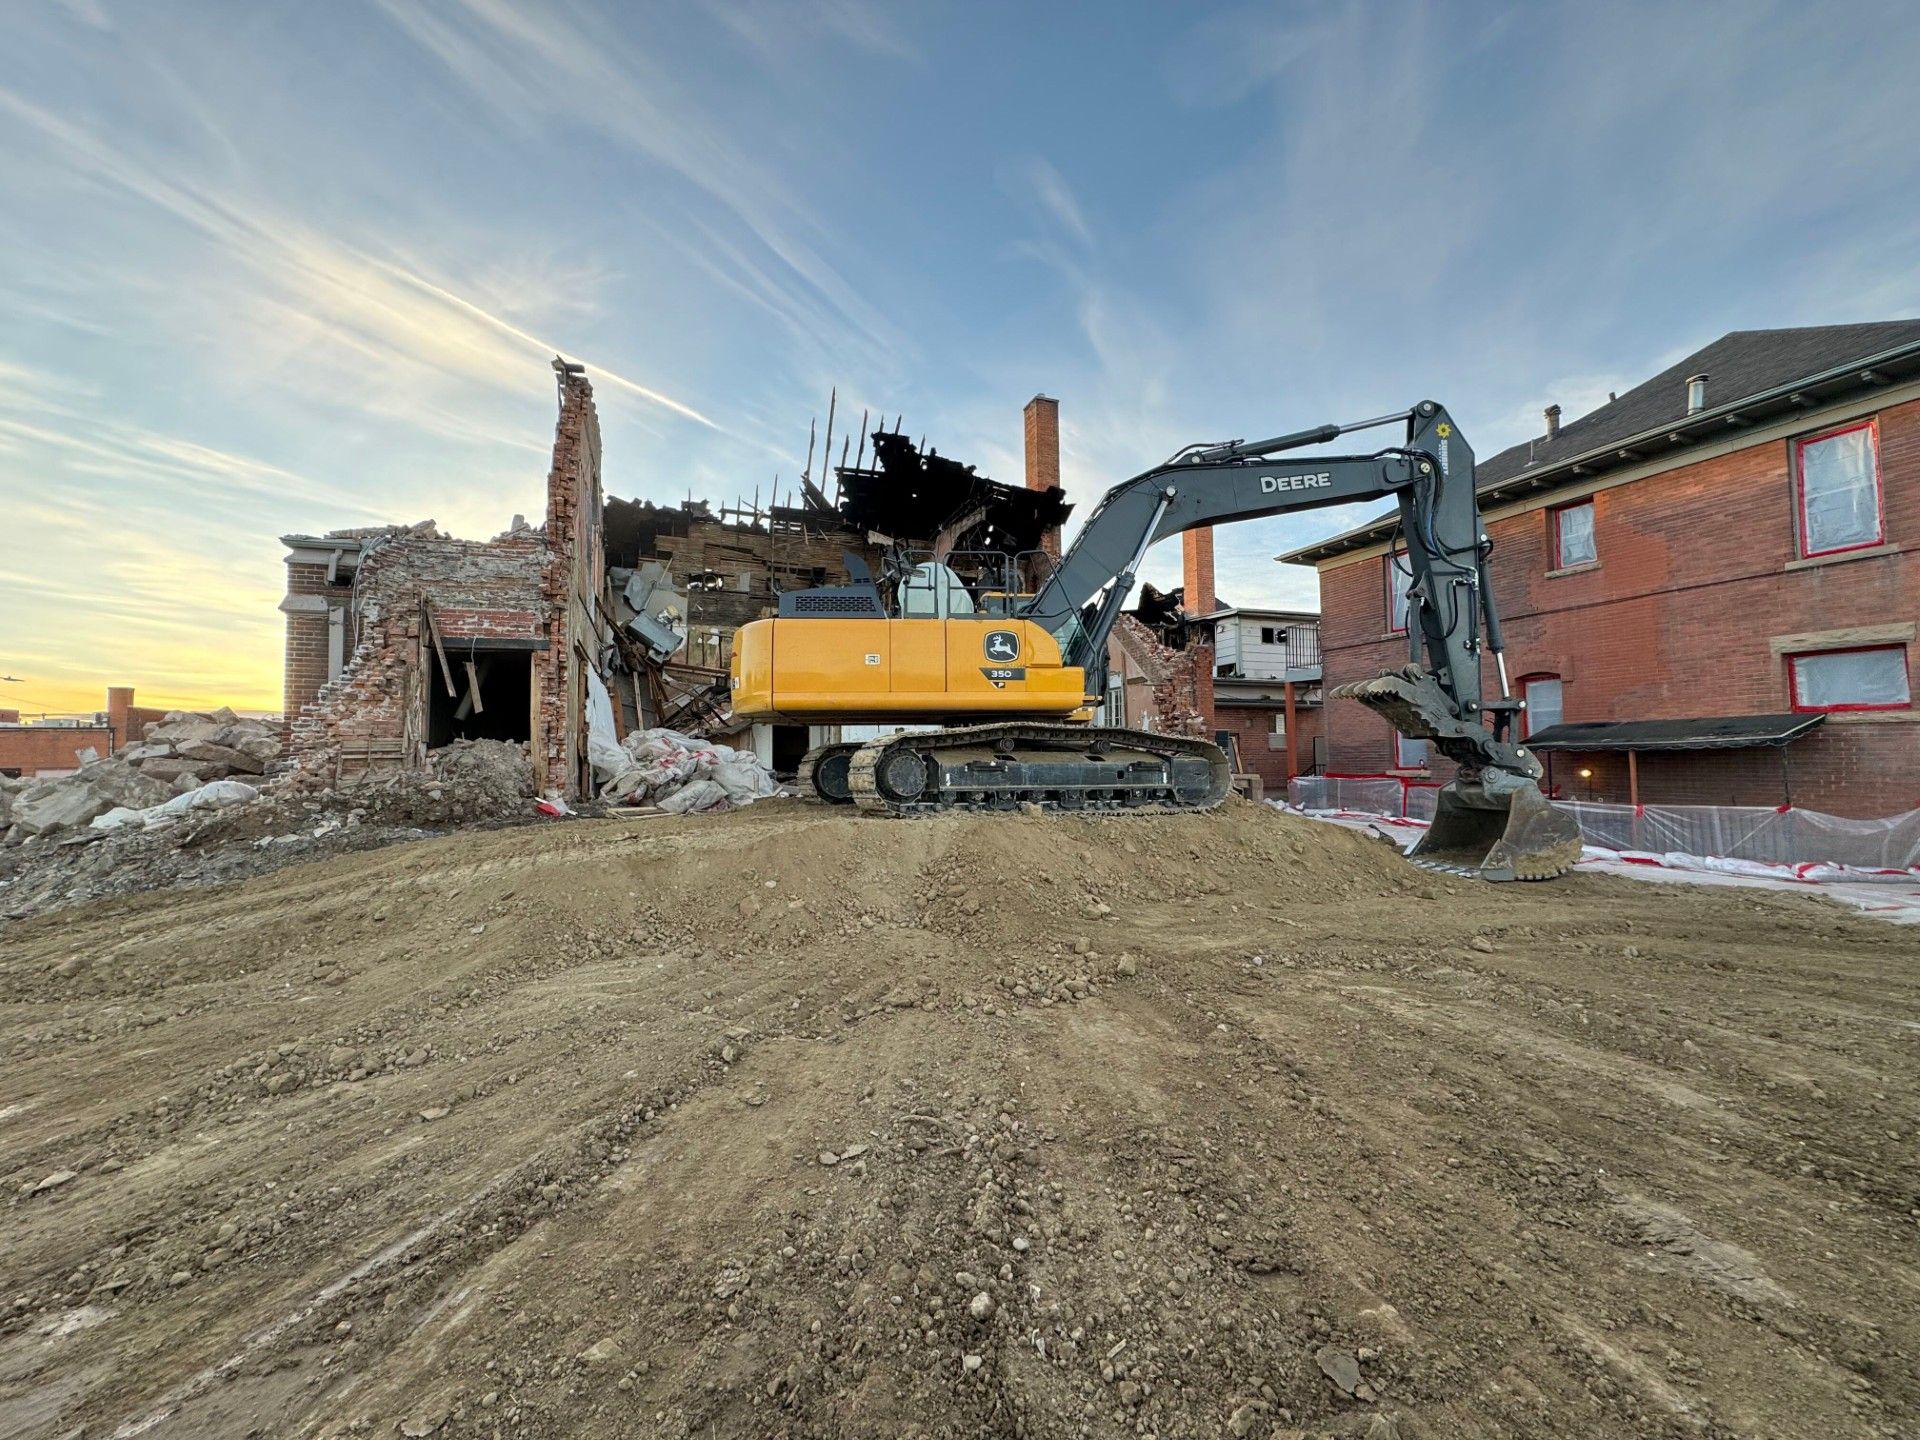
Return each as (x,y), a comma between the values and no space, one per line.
(795,1123)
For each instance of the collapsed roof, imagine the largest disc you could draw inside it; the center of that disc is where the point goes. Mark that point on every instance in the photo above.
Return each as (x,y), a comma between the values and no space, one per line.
(903,495)
(909,495)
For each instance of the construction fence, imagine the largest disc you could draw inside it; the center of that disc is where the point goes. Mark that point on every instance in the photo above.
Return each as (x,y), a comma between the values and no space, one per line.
(1779,836)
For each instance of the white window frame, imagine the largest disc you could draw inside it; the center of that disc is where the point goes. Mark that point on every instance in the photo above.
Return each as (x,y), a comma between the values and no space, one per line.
(1399,602)
(1527,682)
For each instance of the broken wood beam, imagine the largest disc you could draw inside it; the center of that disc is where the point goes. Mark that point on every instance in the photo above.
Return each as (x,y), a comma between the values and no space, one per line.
(433,633)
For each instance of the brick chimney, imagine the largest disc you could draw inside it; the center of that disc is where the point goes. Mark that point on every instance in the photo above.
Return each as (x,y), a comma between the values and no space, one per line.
(1553,421)
(1196,554)
(1043,456)
(119,708)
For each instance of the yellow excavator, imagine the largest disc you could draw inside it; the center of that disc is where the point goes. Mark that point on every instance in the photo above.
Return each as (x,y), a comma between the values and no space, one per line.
(1012,680)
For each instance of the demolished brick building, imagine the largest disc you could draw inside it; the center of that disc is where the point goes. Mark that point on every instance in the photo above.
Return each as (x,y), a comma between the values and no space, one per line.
(401,639)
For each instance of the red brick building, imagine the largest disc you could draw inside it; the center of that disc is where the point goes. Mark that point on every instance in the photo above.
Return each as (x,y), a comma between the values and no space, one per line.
(47,749)
(1736,541)
(1266,691)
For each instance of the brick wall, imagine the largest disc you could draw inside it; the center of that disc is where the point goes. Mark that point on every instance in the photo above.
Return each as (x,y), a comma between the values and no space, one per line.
(307,662)
(1683,615)
(570,584)
(1253,725)
(374,713)
(541,587)
(53,749)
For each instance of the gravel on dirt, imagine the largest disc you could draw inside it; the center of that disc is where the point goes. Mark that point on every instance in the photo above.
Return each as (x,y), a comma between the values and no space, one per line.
(524,1133)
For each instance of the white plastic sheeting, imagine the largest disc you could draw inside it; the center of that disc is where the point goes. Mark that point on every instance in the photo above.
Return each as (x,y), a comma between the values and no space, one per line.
(1893,896)
(685,775)
(1738,834)
(215,795)
(1754,834)
(1364,795)
(603,744)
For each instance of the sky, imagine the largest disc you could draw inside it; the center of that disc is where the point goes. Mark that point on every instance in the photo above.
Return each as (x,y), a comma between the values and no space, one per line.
(273,267)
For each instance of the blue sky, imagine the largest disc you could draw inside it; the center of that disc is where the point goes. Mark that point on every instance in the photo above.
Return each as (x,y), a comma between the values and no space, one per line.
(270,267)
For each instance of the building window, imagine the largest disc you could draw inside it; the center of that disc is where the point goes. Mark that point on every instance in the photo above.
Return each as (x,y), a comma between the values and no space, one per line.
(1409,754)
(1838,478)
(1266,635)
(1543,696)
(1399,585)
(1279,722)
(1573,542)
(1868,679)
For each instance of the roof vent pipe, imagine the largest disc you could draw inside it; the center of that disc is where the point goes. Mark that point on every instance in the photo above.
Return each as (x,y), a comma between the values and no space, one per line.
(1553,421)
(1696,394)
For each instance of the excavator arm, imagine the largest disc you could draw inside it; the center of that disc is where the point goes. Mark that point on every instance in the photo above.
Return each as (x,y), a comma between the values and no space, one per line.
(1431,479)
(1438,695)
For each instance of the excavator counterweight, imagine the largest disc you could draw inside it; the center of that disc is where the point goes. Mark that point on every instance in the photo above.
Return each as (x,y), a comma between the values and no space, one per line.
(1014,680)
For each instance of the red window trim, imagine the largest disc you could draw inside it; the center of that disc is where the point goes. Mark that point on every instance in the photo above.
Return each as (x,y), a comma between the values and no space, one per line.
(1526,716)
(1553,518)
(1387,575)
(1793,679)
(1800,444)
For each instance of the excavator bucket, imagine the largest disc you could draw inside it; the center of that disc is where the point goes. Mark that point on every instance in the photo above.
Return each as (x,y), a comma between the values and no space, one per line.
(1498,826)
(1514,834)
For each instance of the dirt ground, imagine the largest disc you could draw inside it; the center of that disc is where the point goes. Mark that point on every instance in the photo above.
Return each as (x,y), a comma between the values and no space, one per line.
(794,1123)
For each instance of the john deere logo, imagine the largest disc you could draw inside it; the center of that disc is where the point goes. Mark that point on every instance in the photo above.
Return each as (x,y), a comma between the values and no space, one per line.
(1003,646)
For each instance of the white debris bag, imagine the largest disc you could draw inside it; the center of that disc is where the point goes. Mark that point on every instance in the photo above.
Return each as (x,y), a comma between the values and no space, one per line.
(215,795)
(685,775)
(695,796)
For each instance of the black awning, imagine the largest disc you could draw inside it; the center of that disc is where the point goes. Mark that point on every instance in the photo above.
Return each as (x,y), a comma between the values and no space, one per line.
(1716,732)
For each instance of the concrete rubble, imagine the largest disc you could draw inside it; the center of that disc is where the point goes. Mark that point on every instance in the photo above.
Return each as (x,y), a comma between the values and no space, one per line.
(137,821)
(174,757)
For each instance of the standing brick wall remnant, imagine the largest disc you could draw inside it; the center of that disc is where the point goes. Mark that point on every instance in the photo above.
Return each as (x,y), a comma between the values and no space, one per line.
(528,593)
(571,580)
(1180,682)
(374,714)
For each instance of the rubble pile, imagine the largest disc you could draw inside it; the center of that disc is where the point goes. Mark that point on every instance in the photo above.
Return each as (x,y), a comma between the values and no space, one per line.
(467,782)
(685,775)
(175,756)
(228,830)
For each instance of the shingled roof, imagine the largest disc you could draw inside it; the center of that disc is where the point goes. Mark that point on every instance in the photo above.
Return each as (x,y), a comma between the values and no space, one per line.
(1751,374)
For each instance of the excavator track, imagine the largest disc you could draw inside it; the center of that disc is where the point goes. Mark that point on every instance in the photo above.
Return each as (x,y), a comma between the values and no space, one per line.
(1075,769)
(823,772)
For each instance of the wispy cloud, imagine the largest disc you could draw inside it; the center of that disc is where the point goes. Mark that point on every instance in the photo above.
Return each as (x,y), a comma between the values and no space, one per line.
(568,65)
(381,315)
(1035,178)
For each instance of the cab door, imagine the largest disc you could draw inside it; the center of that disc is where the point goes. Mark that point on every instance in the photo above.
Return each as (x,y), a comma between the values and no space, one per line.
(919,641)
